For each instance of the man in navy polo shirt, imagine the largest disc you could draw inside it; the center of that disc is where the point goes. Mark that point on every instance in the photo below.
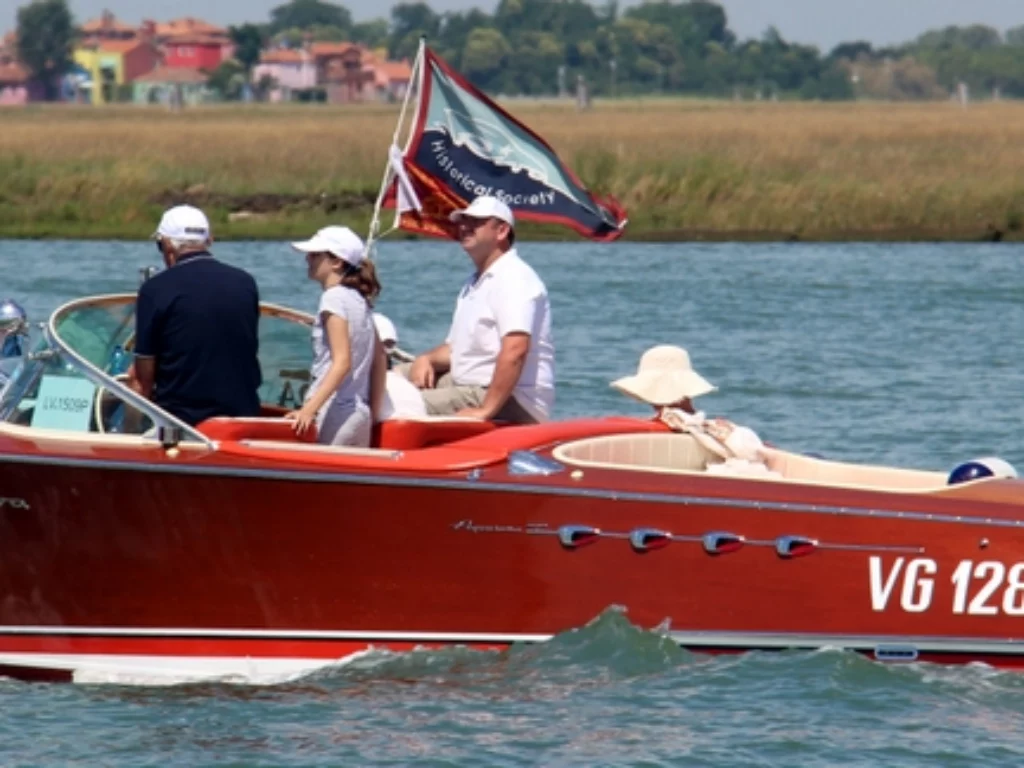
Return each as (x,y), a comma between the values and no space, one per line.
(196,344)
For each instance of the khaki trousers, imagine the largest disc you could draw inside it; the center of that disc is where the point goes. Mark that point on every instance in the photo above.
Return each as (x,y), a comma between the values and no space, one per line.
(447,398)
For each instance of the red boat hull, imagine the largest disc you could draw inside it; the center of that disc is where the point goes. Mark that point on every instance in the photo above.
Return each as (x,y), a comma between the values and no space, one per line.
(109,553)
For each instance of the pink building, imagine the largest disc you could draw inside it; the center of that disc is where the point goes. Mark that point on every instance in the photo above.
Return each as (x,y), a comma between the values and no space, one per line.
(346,72)
(290,70)
(390,78)
(14,84)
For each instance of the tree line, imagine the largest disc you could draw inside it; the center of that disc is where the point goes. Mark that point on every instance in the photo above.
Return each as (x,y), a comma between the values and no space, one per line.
(542,47)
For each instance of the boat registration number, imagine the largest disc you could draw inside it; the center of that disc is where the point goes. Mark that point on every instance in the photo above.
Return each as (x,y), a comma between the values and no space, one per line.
(983,588)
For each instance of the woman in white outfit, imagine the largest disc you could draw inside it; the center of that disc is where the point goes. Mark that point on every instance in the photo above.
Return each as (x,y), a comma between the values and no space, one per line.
(666,380)
(349,363)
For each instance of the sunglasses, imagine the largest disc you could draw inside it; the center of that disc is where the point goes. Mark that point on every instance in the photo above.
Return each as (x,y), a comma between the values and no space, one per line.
(470,222)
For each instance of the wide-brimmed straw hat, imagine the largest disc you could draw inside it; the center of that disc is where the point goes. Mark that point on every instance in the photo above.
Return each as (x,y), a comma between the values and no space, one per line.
(664,376)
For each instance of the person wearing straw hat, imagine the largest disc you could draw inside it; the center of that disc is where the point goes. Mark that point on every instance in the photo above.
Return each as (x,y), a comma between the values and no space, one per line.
(349,363)
(666,380)
(498,361)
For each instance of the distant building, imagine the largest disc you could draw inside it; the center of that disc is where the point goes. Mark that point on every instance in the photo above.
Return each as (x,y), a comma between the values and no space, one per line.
(106,27)
(293,72)
(346,73)
(196,51)
(112,55)
(17,86)
(188,26)
(191,42)
(112,64)
(390,78)
(172,86)
(339,71)
(15,81)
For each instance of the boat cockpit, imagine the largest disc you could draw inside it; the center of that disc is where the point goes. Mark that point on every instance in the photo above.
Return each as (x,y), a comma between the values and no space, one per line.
(73,380)
(72,385)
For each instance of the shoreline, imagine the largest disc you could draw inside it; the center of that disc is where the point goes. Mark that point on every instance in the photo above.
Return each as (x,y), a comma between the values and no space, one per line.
(685,171)
(291,229)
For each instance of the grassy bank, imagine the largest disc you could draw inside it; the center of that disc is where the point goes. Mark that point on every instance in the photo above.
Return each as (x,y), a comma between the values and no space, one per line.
(683,169)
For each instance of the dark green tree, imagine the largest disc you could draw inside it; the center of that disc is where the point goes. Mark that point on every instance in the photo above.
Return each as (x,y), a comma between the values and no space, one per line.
(372,34)
(249,40)
(851,51)
(305,14)
(833,85)
(455,29)
(228,80)
(410,22)
(46,36)
(692,24)
(1015,36)
(485,56)
(975,38)
(569,20)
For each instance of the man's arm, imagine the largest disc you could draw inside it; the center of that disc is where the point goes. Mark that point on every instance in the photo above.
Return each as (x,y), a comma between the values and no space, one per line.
(142,372)
(141,376)
(507,370)
(426,368)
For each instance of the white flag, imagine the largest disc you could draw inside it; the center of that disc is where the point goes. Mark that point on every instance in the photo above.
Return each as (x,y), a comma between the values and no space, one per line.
(408,200)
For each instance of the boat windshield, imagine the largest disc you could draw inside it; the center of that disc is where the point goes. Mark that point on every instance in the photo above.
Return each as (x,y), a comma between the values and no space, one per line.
(73,379)
(51,389)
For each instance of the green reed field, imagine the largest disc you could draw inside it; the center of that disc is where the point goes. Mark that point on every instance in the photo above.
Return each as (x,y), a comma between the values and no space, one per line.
(684,169)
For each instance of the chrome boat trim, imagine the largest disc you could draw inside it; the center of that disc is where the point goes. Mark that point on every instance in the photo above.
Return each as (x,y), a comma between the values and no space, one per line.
(463,483)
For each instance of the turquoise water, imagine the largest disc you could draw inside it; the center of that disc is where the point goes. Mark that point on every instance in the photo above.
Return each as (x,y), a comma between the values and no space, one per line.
(904,354)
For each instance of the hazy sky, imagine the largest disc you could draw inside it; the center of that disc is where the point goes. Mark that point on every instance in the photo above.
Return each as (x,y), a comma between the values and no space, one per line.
(820,22)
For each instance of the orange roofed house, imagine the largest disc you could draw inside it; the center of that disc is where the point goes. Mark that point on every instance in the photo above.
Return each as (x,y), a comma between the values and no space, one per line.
(114,63)
(111,54)
(15,80)
(194,44)
(16,86)
(182,52)
(351,73)
(106,27)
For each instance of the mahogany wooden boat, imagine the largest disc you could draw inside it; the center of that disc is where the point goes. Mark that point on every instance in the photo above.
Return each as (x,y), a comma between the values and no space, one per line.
(134,547)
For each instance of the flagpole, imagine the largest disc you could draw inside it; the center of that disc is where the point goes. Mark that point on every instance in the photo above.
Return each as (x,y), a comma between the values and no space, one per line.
(414,77)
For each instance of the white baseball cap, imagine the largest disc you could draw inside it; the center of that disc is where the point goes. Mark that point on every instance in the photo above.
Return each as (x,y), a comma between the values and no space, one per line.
(339,241)
(486,207)
(184,222)
(385,328)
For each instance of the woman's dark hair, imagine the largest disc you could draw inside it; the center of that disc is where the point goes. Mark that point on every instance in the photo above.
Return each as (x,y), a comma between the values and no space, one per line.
(363,279)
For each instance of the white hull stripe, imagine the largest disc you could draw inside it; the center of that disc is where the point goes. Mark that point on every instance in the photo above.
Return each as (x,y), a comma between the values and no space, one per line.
(692,639)
(274,634)
(173,670)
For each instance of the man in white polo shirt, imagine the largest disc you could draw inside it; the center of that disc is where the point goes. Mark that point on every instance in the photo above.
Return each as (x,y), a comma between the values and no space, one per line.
(498,361)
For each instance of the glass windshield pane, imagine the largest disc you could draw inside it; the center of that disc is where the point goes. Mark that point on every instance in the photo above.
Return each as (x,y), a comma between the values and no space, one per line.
(48,391)
(286,353)
(101,333)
